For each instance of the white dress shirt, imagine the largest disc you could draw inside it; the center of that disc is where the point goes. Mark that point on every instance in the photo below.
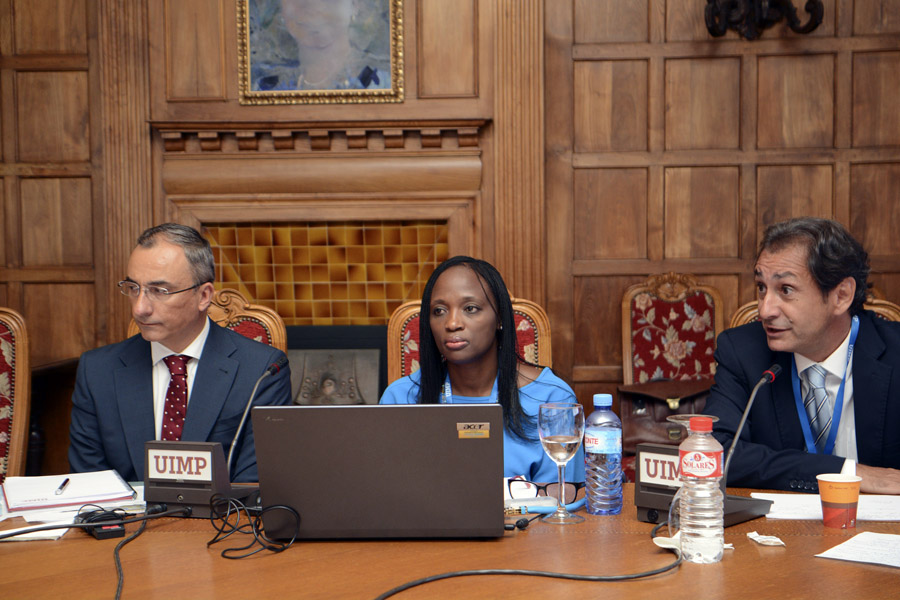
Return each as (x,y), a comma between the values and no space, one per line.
(835,365)
(161,375)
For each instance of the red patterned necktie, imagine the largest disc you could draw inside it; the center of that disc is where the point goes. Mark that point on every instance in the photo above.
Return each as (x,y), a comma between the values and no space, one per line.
(176,397)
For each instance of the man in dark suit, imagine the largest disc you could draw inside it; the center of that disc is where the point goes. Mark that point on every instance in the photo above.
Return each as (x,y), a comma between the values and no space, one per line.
(122,392)
(811,279)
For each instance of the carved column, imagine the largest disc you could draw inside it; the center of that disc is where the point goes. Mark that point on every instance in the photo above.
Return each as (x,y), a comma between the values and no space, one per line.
(124,154)
(519,147)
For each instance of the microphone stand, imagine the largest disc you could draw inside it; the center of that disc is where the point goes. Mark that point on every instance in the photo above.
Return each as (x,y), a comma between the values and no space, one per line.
(738,509)
(271,370)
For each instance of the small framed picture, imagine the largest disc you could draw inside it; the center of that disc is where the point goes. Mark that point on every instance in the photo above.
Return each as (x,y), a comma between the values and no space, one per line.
(334,376)
(320,51)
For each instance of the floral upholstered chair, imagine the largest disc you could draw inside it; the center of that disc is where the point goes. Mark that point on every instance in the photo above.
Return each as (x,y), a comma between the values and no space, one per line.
(229,308)
(532,336)
(669,328)
(14,394)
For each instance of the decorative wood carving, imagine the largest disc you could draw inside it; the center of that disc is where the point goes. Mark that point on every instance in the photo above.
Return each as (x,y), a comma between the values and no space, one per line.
(122,66)
(519,237)
(376,137)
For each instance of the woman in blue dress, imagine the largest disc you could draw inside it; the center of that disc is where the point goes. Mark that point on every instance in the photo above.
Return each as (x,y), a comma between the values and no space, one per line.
(467,354)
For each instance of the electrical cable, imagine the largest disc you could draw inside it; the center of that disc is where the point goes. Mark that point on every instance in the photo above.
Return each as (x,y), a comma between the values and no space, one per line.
(530,573)
(225,516)
(185,511)
(119,572)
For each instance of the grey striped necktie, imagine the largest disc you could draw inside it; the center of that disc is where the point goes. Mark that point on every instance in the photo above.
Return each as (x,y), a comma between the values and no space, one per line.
(818,407)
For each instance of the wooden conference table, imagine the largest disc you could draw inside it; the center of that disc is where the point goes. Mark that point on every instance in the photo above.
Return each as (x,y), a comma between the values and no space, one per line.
(170,560)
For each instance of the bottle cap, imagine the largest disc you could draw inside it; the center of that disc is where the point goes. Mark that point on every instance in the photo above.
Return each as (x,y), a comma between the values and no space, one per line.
(602,399)
(701,424)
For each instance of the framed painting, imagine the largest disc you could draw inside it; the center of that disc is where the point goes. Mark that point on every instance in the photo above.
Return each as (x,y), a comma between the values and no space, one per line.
(320,51)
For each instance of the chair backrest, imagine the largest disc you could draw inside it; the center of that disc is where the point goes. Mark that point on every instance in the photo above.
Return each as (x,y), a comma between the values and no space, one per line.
(884,309)
(532,336)
(15,396)
(669,328)
(229,308)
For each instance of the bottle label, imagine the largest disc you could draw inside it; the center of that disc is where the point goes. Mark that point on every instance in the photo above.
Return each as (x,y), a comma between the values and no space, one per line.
(606,440)
(700,464)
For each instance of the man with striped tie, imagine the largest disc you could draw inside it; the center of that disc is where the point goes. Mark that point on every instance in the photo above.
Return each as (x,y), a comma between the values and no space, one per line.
(836,407)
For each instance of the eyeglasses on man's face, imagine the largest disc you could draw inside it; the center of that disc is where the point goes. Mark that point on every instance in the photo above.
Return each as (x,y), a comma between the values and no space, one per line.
(522,489)
(154,293)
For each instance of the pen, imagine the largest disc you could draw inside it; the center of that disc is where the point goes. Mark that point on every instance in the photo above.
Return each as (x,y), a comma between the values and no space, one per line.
(62,486)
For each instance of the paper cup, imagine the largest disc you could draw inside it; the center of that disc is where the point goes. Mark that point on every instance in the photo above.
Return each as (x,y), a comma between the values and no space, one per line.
(840,497)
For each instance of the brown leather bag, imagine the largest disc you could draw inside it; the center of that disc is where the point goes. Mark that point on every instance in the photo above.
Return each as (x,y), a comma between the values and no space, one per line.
(645,406)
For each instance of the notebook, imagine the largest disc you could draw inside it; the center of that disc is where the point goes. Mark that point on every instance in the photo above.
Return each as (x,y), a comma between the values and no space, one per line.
(381,471)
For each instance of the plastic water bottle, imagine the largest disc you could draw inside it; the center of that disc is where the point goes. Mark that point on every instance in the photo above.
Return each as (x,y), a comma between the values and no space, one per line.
(701,509)
(603,458)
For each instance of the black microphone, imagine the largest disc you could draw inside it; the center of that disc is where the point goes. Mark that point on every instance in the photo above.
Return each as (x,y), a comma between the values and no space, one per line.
(277,365)
(768,376)
(270,370)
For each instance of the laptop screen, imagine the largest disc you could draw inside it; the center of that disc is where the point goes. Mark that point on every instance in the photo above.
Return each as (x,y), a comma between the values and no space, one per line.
(378,471)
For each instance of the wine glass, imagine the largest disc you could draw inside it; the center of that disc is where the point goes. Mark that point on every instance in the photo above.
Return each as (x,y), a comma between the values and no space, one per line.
(561,427)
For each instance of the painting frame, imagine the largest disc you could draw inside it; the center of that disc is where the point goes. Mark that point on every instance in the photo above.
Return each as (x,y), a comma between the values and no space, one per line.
(271,71)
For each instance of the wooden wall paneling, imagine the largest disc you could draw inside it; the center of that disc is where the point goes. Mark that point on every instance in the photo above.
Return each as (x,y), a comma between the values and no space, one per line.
(559,134)
(703,103)
(729,287)
(876,17)
(447,48)
(598,321)
(57,221)
(124,193)
(685,22)
(325,174)
(747,235)
(5,229)
(611,105)
(58,27)
(610,214)
(701,211)
(605,21)
(843,99)
(195,50)
(61,313)
(796,101)
(786,191)
(656,116)
(518,136)
(876,99)
(874,209)
(52,116)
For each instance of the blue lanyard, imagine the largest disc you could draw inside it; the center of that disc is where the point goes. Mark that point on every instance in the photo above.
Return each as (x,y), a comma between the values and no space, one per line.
(838,403)
(447,392)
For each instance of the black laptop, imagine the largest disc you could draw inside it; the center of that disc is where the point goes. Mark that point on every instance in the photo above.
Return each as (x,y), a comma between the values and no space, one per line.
(373,471)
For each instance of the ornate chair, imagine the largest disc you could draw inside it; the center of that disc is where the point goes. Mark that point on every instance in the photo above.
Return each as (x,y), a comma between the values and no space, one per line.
(669,328)
(885,309)
(532,335)
(14,394)
(229,308)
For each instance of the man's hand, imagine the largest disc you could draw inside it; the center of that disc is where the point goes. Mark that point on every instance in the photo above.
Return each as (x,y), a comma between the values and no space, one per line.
(878,480)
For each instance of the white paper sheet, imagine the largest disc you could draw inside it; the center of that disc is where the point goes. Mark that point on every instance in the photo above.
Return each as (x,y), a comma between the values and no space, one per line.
(868,547)
(872,507)
(45,492)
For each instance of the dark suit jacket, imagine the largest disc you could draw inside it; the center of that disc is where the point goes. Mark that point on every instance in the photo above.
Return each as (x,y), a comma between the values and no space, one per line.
(112,406)
(771,453)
